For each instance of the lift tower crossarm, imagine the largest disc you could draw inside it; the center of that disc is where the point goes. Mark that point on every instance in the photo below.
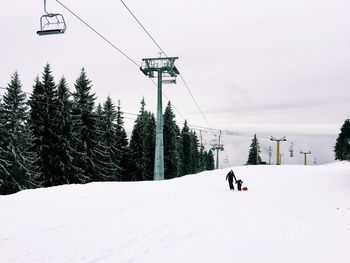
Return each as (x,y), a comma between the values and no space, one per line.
(163,67)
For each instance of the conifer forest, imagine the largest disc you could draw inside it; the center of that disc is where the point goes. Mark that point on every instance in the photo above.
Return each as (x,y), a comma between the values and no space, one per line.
(55,136)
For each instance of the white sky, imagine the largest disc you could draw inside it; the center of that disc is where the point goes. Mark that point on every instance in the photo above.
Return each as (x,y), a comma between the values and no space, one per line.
(255,66)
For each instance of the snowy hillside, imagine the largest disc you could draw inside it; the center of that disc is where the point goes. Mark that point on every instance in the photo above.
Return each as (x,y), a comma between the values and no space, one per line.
(289,214)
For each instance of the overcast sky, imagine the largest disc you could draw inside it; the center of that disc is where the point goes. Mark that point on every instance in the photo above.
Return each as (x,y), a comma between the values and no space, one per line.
(270,67)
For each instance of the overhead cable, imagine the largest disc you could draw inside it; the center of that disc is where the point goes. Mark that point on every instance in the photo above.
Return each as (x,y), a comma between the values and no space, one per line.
(155,42)
(100,35)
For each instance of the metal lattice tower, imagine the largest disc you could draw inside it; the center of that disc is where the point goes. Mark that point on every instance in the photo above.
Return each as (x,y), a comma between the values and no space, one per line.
(278,157)
(160,67)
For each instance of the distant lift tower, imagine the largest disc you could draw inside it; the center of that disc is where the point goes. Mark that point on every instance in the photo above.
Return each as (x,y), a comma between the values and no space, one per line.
(218,146)
(159,67)
(278,158)
(305,154)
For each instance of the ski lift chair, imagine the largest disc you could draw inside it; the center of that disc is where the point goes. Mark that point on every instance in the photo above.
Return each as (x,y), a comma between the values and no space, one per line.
(51,24)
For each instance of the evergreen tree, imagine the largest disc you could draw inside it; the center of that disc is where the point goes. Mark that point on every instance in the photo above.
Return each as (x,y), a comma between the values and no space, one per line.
(141,159)
(121,143)
(195,154)
(210,161)
(254,152)
(187,151)
(107,155)
(99,117)
(43,119)
(342,145)
(150,139)
(2,124)
(66,172)
(17,169)
(202,159)
(84,126)
(171,145)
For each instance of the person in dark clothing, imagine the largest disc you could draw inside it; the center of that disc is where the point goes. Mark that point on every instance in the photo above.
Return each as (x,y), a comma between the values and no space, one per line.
(239,184)
(230,176)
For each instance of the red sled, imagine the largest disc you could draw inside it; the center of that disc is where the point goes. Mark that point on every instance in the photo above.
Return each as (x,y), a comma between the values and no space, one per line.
(245,188)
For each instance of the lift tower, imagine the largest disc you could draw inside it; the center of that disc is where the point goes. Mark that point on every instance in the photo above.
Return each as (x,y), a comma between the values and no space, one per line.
(278,158)
(305,154)
(217,145)
(159,67)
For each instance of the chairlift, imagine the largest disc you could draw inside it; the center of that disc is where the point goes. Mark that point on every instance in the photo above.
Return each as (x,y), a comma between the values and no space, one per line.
(51,24)
(291,150)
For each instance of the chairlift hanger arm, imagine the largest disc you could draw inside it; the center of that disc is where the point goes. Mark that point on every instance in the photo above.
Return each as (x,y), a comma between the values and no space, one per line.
(45,8)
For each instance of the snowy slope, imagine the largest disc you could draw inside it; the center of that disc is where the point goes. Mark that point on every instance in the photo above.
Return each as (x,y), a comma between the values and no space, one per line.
(289,214)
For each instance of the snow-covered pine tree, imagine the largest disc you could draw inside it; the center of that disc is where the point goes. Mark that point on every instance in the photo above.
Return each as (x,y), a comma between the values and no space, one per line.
(44,123)
(150,132)
(84,126)
(195,153)
(342,145)
(106,155)
(254,152)
(210,161)
(67,172)
(141,159)
(17,169)
(99,116)
(121,143)
(187,151)
(202,159)
(171,144)
(2,124)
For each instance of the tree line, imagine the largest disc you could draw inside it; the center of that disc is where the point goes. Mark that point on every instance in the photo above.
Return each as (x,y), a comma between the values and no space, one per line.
(57,137)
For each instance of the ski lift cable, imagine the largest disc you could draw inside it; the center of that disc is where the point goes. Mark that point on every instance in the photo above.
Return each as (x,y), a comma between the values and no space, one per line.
(294,144)
(182,78)
(100,35)
(114,46)
(164,95)
(138,21)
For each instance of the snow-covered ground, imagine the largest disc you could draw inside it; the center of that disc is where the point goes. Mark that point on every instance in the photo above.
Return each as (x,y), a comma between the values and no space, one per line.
(289,214)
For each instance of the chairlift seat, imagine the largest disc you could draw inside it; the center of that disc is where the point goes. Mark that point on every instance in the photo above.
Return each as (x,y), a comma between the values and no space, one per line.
(50,32)
(51,24)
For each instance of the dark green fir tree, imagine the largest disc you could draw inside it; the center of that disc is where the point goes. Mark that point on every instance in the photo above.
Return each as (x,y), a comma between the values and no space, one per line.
(342,145)
(210,161)
(107,155)
(141,159)
(171,145)
(17,169)
(254,152)
(121,144)
(67,172)
(84,127)
(44,123)
(196,165)
(187,149)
